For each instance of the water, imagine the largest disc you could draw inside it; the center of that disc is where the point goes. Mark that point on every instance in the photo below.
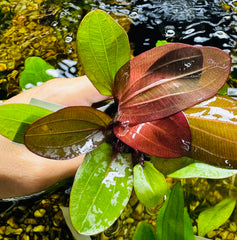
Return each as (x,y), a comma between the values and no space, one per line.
(197,22)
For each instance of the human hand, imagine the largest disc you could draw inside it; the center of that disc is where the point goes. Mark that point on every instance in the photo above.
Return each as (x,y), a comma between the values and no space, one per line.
(22,172)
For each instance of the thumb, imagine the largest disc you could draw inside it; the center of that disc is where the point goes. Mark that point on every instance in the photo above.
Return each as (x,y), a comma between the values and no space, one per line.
(63,91)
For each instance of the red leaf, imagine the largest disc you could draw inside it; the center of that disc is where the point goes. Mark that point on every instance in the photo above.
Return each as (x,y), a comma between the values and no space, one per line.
(168,79)
(67,133)
(168,137)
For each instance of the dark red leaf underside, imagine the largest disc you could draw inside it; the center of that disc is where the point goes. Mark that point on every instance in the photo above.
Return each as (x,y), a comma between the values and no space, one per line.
(168,79)
(168,137)
(67,133)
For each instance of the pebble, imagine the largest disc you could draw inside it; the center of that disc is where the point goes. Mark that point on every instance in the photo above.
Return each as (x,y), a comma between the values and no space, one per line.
(2,230)
(10,230)
(30,221)
(25,237)
(139,209)
(55,196)
(28,228)
(233,227)
(231,236)
(212,234)
(224,234)
(39,213)
(133,200)
(129,220)
(39,228)
(126,213)
(11,222)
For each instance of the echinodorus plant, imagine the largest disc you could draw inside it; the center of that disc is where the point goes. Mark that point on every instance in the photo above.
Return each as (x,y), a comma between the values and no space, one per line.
(150,92)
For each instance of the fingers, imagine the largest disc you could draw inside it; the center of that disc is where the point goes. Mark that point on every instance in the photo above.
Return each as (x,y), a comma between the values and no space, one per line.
(64,91)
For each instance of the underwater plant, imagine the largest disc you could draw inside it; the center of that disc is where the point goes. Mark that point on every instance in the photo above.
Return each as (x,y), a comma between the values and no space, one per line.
(147,94)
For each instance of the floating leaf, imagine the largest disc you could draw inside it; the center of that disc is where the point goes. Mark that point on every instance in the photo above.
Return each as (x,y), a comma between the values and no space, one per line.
(144,231)
(101,190)
(16,118)
(172,221)
(213,125)
(214,217)
(169,137)
(167,79)
(149,184)
(35,72)
(202,170)
(67,133)
(103,47)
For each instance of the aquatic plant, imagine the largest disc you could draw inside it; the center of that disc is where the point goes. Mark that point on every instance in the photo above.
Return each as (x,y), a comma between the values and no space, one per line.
(149,91)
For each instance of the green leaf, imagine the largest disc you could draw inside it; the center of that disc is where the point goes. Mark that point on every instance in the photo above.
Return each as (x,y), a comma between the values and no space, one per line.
(188,228)
(223,90)
(170,165)
(149,184)
(172,221)
(35,72)
(103,47)
(202,170)
(161,42)
(68,132)
(214,217)
(16,118)
(144,231)
(101,190)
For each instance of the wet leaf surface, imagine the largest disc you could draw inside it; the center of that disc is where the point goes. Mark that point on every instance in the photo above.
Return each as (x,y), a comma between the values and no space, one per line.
(67,133)
(169,137)
(213,125)
(203,170)
(101,190)
(168,79)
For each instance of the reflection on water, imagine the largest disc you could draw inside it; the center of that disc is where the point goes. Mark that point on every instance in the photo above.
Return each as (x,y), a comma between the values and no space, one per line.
(197,22)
